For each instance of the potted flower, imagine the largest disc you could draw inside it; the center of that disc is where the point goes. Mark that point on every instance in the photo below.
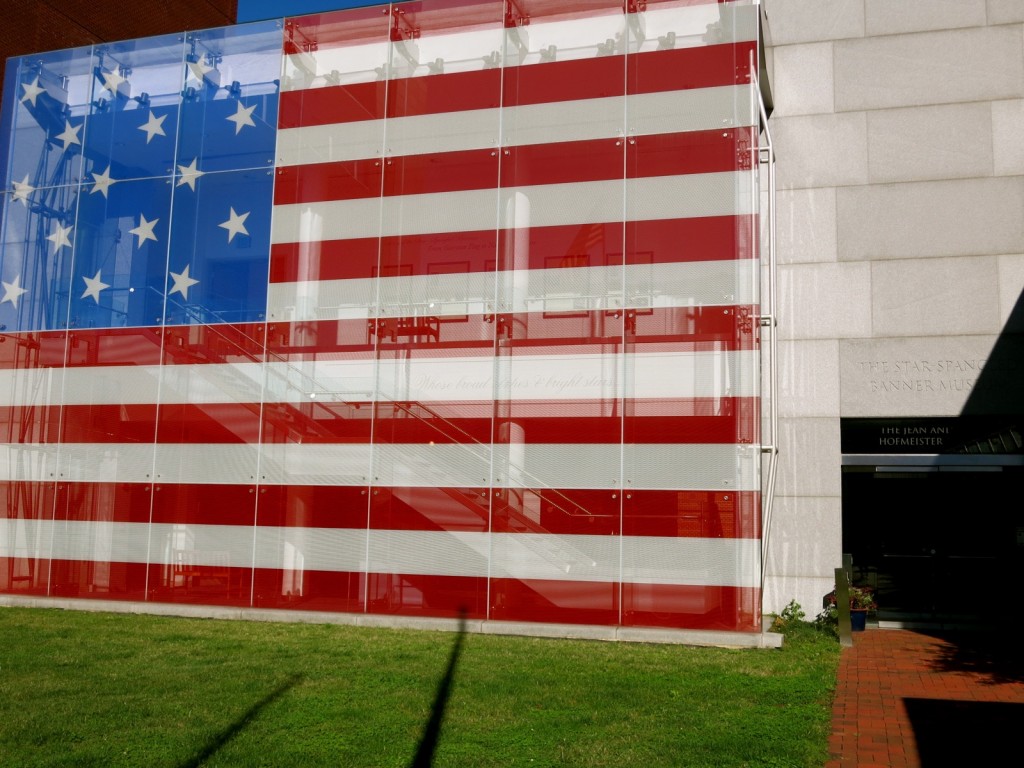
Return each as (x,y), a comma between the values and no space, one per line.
(862,600)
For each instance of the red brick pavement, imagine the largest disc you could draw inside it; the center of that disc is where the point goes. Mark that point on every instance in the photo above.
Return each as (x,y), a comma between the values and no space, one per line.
(906,698)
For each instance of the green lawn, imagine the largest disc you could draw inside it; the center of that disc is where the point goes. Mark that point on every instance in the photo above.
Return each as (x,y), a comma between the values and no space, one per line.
(82,688)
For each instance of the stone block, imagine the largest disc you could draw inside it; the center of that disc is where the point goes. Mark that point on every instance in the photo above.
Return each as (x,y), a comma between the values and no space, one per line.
(821,150)
(890,17)
(824,301)
(1005,11)
(805,225)
(806,590)
(977,64)
(934,297)
(915,376)
(940,142)
(931,218)
(803,21)
(809,457)
(806,536)
(1011,291)
(1007,143)
(808,378)
(802,79)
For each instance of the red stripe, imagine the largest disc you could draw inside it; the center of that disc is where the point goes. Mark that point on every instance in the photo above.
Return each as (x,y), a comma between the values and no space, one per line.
(734,609)
(692,514)
(201,584)
(313,506)
(534,600)
(308,590)
(544,83)
(688,68)
(536,164)
(668,241)
(559,511)
(417,595)
(102,580)
(24,575)
(224,423)
(236,343)
(334,104)
(661,329)
(648,422)
(572,602)
(609,512)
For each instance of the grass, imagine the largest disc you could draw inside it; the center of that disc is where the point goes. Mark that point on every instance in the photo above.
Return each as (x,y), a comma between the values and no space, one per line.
(81,688)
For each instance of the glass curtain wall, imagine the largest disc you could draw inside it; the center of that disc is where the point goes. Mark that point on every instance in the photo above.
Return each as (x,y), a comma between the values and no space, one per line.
(427,308)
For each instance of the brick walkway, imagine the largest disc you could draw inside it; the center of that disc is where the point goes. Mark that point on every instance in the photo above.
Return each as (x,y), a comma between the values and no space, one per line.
(907,698)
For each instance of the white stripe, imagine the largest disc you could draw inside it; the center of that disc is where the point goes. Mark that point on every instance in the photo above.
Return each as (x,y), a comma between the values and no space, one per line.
(519,377)
(548,205)
(573,289)
(700,109)
(573,38)
(179,547)
(709,467)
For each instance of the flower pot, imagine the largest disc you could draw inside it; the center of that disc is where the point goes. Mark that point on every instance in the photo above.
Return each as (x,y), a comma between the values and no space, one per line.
(858,619)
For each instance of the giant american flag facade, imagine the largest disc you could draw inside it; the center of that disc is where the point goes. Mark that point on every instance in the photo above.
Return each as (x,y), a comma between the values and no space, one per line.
(415,309)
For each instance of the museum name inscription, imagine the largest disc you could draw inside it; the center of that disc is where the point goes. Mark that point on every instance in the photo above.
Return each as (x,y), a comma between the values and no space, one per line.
(921,375)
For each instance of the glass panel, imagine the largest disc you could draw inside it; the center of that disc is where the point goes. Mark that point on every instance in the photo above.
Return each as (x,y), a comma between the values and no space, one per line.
(53,95)
(229,112)
(558,470)
(201,543)
(204,501)
(26,528)
(121,255)
(35,256)
(431,464)
(106,457)
(311,548)
(100,540)
(558,395)
(317,404)
(691,419)
(29,423)
(329,166)
(435,333)
(220,246)
(133,116)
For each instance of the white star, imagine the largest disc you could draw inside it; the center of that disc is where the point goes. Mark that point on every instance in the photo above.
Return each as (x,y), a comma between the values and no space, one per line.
(189,174)
(242,117)
(102,182)
(145,230)
(199,69)
(235,225)
(32,90)
(13,291)
(22,190)
(93,286)
(70,135)
(182,282)
(112,80)
(59,237)
(153,126)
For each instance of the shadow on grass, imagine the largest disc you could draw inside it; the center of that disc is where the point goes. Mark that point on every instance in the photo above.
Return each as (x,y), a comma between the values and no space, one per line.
(231,731)
(431,733)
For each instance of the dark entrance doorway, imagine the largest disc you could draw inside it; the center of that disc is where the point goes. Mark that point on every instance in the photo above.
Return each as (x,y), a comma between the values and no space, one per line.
(938,543)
